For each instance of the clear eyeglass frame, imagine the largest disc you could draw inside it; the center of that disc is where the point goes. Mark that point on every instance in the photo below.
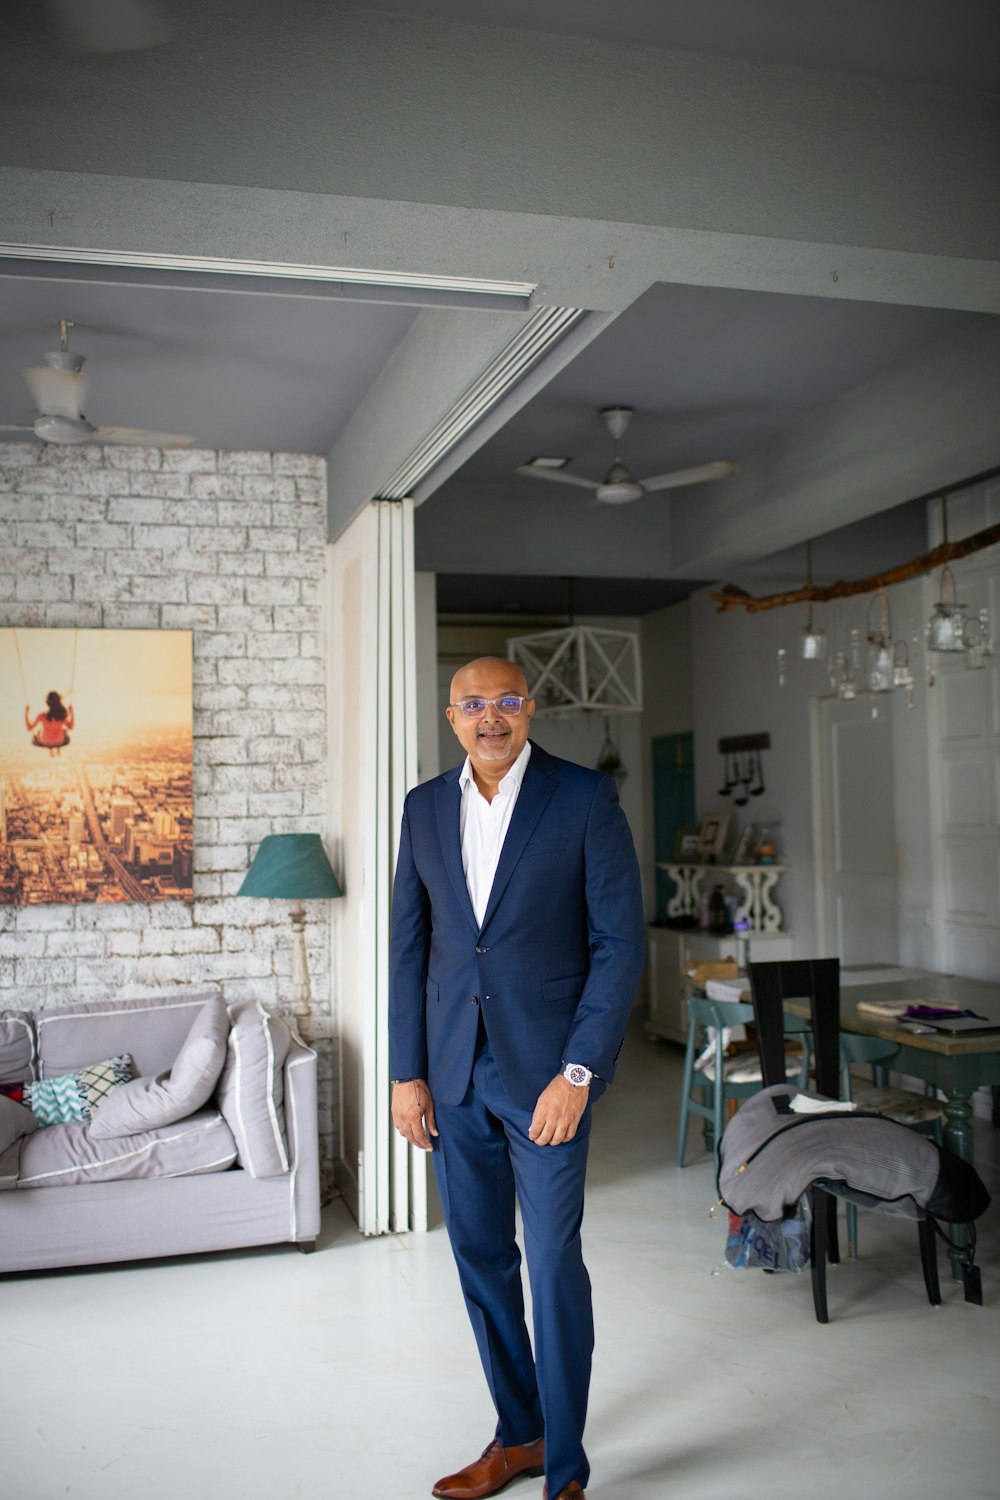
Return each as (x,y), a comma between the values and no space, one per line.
(509,706)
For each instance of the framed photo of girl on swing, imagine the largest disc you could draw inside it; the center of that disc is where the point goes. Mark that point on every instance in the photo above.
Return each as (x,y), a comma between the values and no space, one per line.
(96,766)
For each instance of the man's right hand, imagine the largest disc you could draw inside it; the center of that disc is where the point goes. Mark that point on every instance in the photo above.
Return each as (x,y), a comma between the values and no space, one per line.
(413,1113)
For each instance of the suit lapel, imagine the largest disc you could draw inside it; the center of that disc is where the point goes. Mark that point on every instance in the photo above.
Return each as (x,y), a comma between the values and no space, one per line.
(537,787)
(449,806)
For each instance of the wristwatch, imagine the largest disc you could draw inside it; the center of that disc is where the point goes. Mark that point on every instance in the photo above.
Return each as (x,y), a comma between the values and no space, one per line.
(577,1075)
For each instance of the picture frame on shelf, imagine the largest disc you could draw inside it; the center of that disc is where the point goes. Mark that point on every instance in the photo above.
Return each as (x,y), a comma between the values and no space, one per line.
(712,837)
(687,844)
(746,847)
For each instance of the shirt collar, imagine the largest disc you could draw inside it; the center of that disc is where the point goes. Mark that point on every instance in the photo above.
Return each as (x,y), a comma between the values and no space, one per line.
(510,782)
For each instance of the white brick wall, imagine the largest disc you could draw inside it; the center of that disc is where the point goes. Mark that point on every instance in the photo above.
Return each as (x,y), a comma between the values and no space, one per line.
(231,546)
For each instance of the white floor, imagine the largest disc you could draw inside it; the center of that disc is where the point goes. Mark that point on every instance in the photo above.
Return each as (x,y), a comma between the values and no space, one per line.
(352,1372)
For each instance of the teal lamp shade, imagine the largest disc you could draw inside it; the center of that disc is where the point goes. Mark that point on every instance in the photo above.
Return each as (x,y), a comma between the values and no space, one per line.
(293,867)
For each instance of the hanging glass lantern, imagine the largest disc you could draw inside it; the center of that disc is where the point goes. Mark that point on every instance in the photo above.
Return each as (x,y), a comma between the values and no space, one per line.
(902,672)
(812,642)
(880,651)
(845,674)
(976,643)
(947,622)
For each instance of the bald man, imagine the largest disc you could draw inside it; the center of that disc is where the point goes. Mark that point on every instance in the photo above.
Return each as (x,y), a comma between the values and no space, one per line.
(517,945)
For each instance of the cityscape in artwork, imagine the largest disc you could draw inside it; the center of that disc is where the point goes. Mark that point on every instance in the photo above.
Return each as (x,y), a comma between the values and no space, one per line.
(96,805)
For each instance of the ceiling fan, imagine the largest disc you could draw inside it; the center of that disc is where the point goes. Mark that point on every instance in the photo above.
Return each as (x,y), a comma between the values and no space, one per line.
(618,486)
(60,391)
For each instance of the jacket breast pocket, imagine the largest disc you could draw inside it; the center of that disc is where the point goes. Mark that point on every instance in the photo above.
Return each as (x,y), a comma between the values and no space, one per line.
(545,846)
(569,988)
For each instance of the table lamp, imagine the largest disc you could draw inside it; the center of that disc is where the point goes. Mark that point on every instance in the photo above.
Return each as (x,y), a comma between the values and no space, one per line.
(293,867)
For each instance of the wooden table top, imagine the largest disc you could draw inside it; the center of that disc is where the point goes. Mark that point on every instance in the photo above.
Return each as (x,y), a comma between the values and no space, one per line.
(925,989)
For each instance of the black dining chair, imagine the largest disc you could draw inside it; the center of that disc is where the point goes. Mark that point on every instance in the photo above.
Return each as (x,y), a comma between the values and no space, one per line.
(772,986)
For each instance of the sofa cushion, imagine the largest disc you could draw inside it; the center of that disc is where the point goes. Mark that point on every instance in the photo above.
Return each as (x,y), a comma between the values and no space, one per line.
(251,1089)
(75,1096)
(149,1103)
(71,1155)
(152,1029)
(15,1121)
(18,1054)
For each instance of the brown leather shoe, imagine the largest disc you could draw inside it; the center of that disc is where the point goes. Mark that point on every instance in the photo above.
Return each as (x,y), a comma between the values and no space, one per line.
(493,1471)
(571,1492)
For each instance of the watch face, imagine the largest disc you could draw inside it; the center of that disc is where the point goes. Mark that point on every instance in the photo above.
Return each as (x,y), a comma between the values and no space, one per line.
(577,1074)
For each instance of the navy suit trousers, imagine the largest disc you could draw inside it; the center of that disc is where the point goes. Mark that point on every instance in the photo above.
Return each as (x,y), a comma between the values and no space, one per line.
(483,1158)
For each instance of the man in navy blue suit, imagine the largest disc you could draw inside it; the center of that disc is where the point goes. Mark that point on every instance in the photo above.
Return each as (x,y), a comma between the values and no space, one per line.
(517,945)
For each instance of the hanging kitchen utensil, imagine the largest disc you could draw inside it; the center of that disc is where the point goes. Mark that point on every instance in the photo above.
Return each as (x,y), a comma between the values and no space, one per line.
(758,788)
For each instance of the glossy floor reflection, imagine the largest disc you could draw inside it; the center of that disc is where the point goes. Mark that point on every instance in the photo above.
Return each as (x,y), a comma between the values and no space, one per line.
(269,1374)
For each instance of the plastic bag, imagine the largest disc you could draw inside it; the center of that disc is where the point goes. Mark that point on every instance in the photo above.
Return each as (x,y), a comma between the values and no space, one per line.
(769,1245)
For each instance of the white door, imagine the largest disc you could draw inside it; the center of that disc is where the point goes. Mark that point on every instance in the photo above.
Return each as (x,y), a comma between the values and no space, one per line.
(373,748)
(856,843)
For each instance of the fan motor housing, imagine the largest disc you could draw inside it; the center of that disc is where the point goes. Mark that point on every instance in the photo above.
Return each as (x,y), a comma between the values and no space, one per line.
(53,429)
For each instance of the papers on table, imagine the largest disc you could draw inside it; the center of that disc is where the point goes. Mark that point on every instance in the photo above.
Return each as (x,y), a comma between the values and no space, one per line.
(885,1010)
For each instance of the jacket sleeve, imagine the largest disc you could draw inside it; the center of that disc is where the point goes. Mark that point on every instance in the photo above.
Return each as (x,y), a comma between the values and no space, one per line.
(616,933)
(409,946)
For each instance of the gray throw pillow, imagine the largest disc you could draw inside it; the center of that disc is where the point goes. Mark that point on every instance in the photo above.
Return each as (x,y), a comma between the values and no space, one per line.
(18,1054)
(251,1090)
(150,1103)
(15,1121)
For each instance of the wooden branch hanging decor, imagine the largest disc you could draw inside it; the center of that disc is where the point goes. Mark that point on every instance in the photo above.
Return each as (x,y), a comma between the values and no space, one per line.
(732,597)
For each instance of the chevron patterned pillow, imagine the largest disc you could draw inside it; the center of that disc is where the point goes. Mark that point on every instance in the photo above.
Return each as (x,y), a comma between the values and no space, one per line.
(75,1096)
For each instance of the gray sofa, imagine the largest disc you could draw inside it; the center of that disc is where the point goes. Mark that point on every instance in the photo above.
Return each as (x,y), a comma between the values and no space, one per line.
(211,1146)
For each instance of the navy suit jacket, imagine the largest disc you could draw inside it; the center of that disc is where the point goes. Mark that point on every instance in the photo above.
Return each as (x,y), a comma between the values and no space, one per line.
(555,965)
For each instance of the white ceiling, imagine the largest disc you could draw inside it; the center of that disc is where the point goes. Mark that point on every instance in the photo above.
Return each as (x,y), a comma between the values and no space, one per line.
(955,43)
(233,368)
(711,372)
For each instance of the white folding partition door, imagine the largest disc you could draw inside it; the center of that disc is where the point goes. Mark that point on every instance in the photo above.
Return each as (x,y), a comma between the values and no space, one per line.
(373,739)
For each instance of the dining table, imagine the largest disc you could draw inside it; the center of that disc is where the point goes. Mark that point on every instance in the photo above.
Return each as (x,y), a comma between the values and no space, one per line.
(956,1062)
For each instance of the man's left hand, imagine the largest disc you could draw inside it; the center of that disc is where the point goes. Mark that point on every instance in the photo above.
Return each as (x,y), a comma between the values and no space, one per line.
(558,1112)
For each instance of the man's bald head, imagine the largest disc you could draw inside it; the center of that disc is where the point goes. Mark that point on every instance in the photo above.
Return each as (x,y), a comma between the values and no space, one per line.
(514,679)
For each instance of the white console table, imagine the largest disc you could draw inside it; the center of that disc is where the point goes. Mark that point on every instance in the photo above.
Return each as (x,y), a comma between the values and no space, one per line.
(755,884)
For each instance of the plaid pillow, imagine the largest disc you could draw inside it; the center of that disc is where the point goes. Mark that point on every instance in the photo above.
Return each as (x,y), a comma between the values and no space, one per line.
(73,1096)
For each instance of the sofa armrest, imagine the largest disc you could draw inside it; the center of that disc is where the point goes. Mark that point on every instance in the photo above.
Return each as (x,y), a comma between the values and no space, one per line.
(302,1133)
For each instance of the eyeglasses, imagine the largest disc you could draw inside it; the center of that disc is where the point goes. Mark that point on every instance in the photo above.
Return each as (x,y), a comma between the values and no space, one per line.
(509,706)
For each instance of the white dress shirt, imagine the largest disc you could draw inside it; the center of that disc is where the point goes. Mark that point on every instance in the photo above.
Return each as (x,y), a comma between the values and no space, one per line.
(484,827)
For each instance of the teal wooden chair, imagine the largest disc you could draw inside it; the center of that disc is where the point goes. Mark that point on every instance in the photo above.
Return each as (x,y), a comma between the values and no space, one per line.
(708,1088)
(919,1111)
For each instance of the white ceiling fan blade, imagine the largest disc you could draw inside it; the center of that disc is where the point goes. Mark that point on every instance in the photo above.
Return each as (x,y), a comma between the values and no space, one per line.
(140,437)
(720,469)
(57,393)
(556,476)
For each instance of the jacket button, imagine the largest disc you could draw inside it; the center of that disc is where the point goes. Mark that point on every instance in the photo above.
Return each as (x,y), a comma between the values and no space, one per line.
(481,949)
(473,999)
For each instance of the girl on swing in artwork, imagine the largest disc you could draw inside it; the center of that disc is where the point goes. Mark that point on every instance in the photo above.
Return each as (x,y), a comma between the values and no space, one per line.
(52,728)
